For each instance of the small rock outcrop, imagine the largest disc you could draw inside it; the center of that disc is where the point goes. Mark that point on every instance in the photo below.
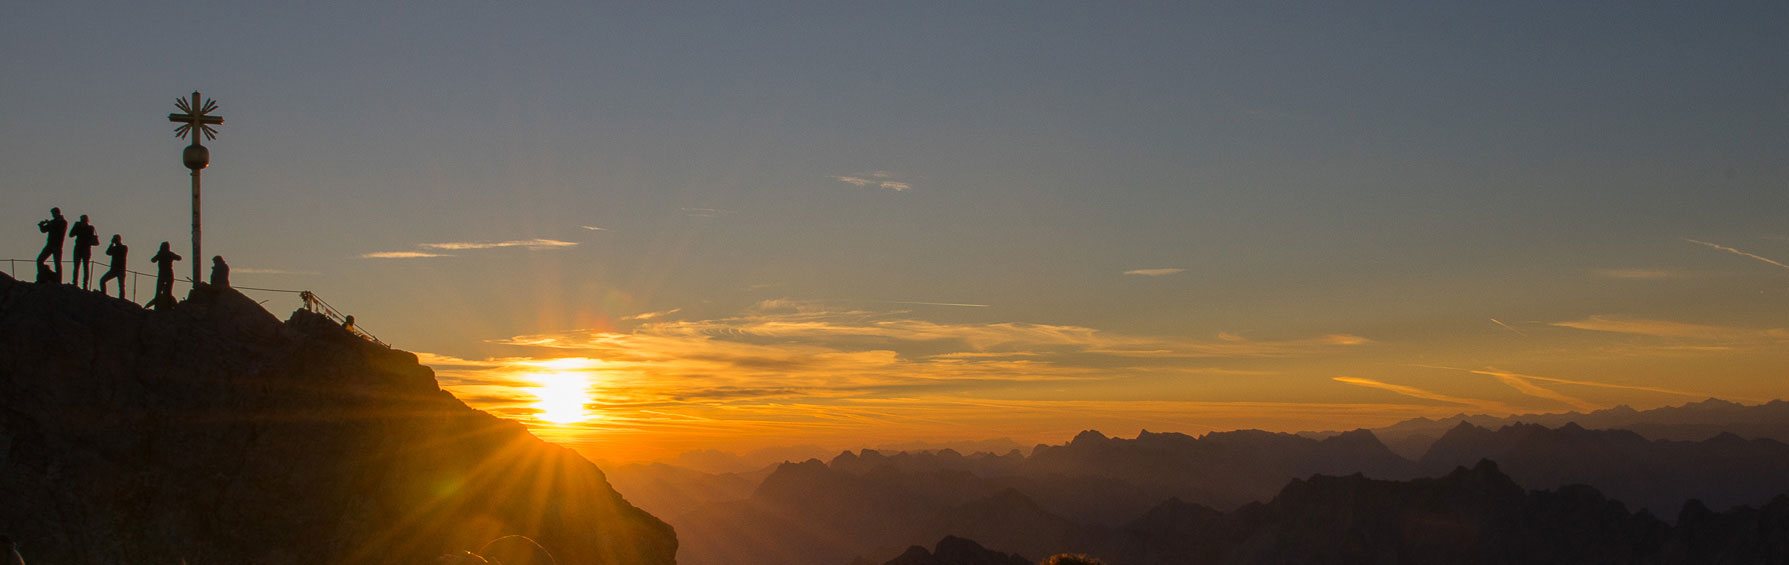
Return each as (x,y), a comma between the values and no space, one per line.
(213,432)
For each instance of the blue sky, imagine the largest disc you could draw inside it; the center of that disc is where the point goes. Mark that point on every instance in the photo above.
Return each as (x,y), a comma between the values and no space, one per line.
(1399,173)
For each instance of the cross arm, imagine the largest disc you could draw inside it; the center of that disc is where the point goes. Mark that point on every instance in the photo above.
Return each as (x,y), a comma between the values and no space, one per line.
(190,119)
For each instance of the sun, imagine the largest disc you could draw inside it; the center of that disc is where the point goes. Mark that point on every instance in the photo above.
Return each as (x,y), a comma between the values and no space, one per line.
(561,397)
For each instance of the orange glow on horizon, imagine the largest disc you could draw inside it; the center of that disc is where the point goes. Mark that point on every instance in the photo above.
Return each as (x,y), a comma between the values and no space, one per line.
(783,373)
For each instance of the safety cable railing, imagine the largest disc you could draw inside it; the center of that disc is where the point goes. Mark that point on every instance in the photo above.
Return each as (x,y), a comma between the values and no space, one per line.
(312,303)
(317,305)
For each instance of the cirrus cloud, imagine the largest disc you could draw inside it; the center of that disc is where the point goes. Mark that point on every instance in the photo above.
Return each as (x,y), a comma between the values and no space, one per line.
(429,250)
(879,179)
(533,244)
(401,255)
(1154,272)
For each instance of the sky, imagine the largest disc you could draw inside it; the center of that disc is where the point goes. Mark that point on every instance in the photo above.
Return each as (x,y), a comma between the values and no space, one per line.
(645,229)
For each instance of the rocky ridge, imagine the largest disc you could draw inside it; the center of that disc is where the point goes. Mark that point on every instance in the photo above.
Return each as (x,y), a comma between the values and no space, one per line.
(213,432)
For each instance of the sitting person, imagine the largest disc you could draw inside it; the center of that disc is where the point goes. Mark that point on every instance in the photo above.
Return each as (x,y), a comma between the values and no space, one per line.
(220,272)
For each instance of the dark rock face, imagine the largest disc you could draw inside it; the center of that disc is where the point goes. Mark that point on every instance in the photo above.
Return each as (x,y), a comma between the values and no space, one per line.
(213,432)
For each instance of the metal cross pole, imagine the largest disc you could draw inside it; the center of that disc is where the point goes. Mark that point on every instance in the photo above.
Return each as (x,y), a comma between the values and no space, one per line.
(196,116)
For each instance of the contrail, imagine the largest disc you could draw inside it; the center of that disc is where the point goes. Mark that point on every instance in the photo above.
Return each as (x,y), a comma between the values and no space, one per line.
(1605,385)
(1523,385)
(1506,326)
(1413,392)
(1737,252)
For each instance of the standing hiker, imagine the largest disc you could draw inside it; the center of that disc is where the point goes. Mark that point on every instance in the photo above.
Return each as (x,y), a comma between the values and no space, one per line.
(164,277)
(85,239)
(117,252)
(54,230)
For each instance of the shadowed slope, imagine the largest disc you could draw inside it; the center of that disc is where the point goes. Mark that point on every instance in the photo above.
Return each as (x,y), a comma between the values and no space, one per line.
(215,433)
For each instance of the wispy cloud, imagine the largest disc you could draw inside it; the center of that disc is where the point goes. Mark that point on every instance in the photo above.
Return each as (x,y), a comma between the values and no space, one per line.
(958,304)
(1738,252)
(401,255)
(1154,272)
(880,179)
(1507,327)
(432,249)
(1491,406)
(593,228)
(532,244)
(799,349)
(1655,328)
(651,315)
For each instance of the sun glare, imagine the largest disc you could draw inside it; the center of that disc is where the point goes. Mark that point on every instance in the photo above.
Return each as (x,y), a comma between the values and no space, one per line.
(561,397)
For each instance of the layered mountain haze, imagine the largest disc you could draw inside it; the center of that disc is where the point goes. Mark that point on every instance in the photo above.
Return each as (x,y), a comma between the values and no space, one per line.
(1133,497)
(1468,515)
(1057,499)
(1693,421)
(212,432)
(1658,475)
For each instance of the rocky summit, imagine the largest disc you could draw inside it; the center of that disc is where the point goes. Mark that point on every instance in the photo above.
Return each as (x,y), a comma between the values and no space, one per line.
(213,432)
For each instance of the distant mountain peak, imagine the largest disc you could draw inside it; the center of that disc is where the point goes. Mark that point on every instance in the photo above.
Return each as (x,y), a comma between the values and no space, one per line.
(953,550)
(1089,437)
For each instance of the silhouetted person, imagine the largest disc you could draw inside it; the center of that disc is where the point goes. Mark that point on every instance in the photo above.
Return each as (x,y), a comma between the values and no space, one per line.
(54,229)
(117,252)
(348,324)
(220,272)
(164,277)
(85,239)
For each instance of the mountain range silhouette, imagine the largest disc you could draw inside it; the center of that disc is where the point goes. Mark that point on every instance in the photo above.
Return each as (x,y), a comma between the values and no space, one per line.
(1693,421)
(1469,515)
(1094,494)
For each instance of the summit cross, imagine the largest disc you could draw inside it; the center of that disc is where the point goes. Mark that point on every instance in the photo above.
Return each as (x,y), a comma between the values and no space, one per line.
(195,115)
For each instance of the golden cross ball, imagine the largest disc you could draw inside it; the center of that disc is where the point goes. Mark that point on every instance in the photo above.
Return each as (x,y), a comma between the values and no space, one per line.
(195,115)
